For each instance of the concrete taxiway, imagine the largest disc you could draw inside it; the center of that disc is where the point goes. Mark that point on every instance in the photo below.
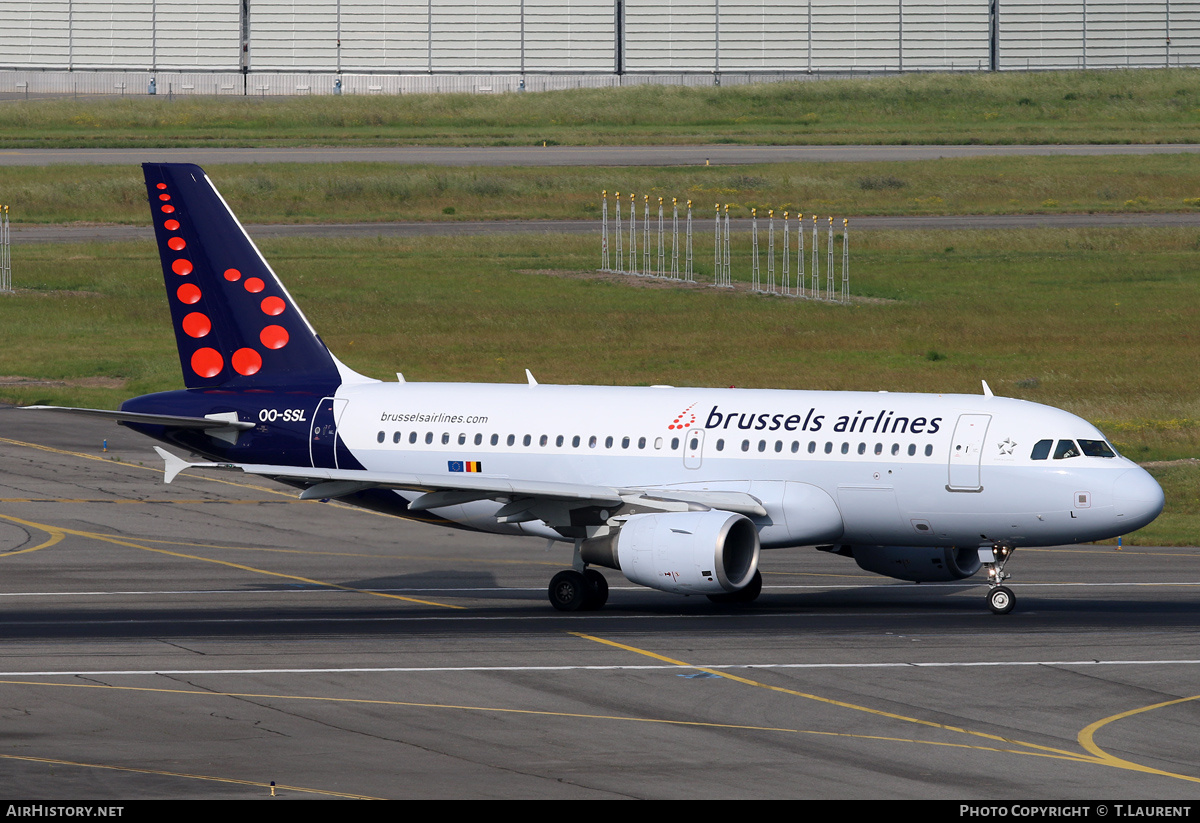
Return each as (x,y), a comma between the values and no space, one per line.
(206,638)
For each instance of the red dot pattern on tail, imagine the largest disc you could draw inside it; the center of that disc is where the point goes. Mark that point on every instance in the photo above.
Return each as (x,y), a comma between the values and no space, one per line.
(208,362)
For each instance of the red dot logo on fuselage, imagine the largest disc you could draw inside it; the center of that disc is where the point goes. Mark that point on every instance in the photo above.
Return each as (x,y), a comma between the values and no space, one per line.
(684,419)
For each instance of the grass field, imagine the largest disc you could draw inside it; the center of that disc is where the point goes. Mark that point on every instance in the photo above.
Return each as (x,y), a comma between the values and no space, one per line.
(368,192)
(1004,107)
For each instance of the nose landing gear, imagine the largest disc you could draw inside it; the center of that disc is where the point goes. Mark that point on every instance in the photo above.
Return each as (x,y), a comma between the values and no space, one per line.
(1000,599)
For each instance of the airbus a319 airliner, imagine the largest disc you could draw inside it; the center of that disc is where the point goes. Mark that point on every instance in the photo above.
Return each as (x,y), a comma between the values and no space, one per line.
(678,488)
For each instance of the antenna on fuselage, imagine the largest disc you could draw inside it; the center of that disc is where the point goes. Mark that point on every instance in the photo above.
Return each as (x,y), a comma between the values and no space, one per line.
(987,390)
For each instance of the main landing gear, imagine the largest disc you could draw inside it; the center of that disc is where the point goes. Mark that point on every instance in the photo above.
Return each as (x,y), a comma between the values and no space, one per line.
(1000,599)
(572,591)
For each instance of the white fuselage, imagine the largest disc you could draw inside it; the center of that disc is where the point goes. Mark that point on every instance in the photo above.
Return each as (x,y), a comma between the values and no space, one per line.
(829,467)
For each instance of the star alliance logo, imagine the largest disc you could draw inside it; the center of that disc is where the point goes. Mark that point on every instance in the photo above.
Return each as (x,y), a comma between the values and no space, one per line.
(1007,446)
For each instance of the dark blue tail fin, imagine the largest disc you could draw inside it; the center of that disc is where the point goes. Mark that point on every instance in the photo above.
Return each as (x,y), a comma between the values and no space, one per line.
(235,324)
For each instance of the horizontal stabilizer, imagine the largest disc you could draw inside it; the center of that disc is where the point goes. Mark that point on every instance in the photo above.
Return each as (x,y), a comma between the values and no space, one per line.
(177,464)
(175,421)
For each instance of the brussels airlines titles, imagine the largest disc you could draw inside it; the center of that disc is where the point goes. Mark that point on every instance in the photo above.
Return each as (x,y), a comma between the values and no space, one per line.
(885,422)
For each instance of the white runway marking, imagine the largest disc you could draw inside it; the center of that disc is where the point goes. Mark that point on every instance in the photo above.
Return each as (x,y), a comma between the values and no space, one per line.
(594,668)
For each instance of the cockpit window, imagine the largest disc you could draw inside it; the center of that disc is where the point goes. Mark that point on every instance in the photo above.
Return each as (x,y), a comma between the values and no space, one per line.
(1065,449)
(1041,449)
(1096,448)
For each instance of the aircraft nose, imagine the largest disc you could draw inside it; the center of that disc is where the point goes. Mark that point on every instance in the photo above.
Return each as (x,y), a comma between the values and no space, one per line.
(1137,498)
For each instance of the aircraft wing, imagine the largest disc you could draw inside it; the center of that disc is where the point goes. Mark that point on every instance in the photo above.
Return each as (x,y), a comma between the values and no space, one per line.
(523,499)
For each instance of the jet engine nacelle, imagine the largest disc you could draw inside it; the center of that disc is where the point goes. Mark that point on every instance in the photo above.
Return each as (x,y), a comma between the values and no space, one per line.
(711,552)
(919,564)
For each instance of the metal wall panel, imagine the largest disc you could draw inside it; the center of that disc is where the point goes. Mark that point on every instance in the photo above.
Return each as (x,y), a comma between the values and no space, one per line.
(856,36)
(35,33)
(293,35)
(112,34)
(664,38)
(569,35)
(1041,34)
(1072,34)
(385,36)
(670,35)
(937,36)
(758,35)
(197,34)
(470,35)
(1185,34)
(1126,34)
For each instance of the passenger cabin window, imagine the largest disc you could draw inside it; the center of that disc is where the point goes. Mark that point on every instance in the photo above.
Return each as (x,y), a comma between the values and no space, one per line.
(396,437)
(478,439)
(495,439)
(1041,450)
